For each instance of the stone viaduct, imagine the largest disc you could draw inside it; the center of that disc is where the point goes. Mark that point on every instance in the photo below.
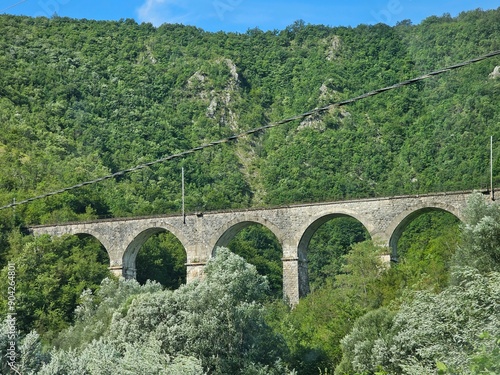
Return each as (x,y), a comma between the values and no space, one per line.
(294,226)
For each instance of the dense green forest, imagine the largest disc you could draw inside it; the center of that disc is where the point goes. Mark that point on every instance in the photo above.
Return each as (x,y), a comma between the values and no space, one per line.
(81,99)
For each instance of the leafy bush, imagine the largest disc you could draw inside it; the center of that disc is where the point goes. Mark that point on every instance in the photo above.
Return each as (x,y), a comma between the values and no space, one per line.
(216,324)
(449,331)
(480,246)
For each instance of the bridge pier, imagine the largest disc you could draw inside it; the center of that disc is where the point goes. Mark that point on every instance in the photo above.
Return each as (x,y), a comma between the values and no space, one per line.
(130,273)
(120,271)
(291,280)
(194,271)
(295,280)
(116,270)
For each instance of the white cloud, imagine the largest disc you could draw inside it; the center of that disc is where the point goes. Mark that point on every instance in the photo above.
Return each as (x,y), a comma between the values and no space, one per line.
(161,11)
(214,15)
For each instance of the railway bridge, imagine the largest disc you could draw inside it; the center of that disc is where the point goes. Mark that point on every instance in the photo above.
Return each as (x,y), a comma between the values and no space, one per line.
(201,233)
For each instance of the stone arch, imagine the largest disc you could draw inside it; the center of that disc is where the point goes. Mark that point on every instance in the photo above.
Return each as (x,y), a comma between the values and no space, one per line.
(138,239)
(95,237)
(266,258)
(313,225)
(306,234)
(399,224)
(78,231)
(101,239)
(227,232)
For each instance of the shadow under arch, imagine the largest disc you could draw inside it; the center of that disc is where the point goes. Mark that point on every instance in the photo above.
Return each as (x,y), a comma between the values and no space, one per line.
(103,255)
(401,222)
(308,234)
(82,234)
(312,228)
(233,227)
(140,239)
(91,240)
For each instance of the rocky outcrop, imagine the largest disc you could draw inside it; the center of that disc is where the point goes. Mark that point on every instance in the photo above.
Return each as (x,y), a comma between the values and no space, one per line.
(495,73)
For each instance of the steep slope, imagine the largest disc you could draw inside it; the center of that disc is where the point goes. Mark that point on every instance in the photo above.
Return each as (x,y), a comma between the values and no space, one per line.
(80,99)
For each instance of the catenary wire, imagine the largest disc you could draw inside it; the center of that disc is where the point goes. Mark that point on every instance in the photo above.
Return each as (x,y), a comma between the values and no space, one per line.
(13,5)
(259,129)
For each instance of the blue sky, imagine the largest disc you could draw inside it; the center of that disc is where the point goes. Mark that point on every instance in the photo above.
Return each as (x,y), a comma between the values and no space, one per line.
(241,15)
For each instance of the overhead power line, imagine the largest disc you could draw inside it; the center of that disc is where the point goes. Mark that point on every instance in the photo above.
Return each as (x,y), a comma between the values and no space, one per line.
(301,116)
(13,5)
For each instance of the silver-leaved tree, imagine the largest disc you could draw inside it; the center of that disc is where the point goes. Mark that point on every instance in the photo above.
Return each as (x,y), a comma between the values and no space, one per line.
(214,325)
(456,331)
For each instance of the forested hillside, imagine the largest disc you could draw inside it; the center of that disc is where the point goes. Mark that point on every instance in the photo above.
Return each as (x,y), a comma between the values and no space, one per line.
(81,99)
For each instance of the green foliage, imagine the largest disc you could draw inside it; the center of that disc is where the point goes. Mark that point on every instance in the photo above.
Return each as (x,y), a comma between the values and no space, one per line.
(431,328)
(218,320)
(362,270)
(425,251)
(50,276)
(110,95)
(22,355)
(95,311)
(485,360)
(101,357)
(480,246)
(421,231)
(259,246)
(447,327)
(454,331)
(162,258)
(361,344)
(314,328)
(80,99)
(327,247)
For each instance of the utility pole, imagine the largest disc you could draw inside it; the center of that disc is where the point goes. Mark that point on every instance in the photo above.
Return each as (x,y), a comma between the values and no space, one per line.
(183,200)
(492,190)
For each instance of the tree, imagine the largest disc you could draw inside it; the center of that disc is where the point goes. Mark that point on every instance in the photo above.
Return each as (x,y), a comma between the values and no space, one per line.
(103,357)
(480,247)
(329,244)
(363,268)
(51,274)
(162,258)
(449,331)
(358,347)
(313,330)
(217,323)
(424,262)
(21,354)
(94,313)
(447,328)
(260,247)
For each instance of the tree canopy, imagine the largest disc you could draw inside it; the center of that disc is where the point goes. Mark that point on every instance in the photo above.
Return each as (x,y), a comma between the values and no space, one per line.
(81,99)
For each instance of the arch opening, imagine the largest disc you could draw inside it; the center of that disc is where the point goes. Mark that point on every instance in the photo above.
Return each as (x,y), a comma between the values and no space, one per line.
(259,246)
(419,228)
(93,249)
(425,244)
(157,254)
(324,244)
